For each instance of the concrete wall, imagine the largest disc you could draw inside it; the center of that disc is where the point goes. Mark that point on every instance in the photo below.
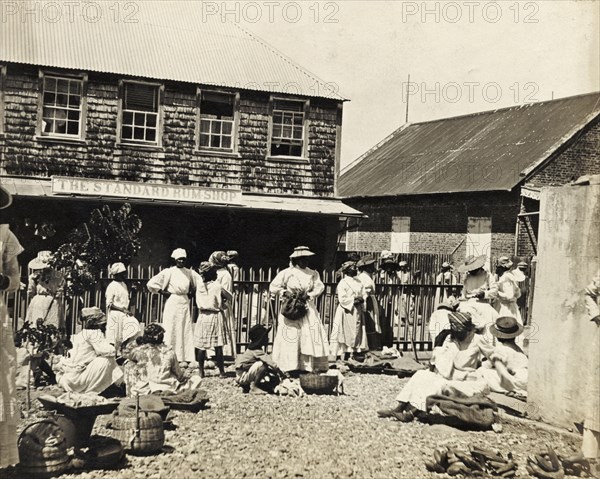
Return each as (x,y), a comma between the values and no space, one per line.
(564,356)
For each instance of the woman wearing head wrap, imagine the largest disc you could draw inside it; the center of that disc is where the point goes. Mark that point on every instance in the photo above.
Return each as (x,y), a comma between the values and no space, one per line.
(152,367)
(9,281)
(445,278)
(177,282)
(301,344)
(210,331)
(117,305)
(90,366)
(453,370)
(220,260)
(348,334)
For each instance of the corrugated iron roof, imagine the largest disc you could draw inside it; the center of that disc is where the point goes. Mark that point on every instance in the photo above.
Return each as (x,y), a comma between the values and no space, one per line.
(487,151)
(166,40)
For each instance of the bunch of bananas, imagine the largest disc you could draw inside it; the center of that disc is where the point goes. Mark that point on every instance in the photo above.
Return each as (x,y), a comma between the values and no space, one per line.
(549,465)
(477,463)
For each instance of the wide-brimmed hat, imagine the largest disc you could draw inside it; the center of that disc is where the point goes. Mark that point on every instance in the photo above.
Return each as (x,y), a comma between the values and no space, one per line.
(445,264)
(506,327)
(257,335)
(206,267)
(232,254)
(346,266)
(179,253)
(219,259)
(472,263)
(92,317)
(460,322)
(402,263)
(117,268)
(505,262)
(40,261)
(365,261)
(301,251)
(5,198)
(522,264)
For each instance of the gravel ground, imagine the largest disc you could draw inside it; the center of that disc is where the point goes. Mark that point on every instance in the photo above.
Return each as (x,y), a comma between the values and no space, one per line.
(312,437)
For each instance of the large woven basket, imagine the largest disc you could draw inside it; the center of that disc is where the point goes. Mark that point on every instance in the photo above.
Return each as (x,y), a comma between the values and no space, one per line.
(318,384)
(139,435)
(43,450)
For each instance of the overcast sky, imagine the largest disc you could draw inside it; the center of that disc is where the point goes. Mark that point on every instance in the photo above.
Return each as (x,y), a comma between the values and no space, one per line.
(469,55)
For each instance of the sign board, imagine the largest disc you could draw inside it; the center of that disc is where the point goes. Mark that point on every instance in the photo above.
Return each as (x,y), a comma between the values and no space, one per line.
(62,185)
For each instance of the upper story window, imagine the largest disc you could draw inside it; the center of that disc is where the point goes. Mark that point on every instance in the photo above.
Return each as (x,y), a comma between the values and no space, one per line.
(287,128)
(62,106)
(217,120)
(140,113)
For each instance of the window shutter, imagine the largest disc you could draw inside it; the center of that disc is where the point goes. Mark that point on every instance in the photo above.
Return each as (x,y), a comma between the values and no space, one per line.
(141,97)
(296,106)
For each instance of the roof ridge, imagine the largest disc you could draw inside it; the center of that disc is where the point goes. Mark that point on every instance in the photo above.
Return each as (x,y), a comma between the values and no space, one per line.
(522,105)
(284,57)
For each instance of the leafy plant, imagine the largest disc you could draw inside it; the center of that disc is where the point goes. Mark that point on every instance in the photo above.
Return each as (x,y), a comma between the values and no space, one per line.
(107,237)
(45,338)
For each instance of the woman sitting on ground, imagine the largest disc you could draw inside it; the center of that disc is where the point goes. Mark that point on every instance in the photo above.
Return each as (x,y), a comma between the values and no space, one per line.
(256,371)
(508,369)
(90,366)
(152,366)
(453,370)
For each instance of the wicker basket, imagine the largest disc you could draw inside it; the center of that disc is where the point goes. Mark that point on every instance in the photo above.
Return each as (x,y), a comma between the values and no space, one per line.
(318,384)
(43,450)
(139,435)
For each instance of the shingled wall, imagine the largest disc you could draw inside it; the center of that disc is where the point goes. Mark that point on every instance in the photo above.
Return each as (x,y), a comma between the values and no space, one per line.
(176,161)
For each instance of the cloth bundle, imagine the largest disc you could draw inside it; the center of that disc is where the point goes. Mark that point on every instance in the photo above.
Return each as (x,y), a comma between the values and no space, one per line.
(148,403)
(475,411)
(187,397)
(289,387)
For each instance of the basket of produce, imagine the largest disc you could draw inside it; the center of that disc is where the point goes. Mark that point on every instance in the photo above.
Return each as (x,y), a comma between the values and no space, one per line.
(43,450)
(318,384)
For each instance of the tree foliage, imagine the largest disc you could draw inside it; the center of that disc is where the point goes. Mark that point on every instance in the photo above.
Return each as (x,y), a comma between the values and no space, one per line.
(107,237)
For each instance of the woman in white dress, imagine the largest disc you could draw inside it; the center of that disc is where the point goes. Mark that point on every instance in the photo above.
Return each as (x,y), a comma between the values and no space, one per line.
(349,335)
(177,282)
(300,345)
(508,289)
(91,366)
(117,305)
(9,281)
(44,304)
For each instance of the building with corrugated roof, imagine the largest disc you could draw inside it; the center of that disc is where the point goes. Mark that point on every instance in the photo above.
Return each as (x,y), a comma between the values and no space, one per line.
(217,139)
(470,184)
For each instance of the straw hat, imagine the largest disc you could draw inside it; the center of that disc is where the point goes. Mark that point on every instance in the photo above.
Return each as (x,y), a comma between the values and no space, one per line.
(365,261)
(446,265)
(179,253)
(347,266)
(505,262)
(522,264)
(301,252)
(5,198)
(506,327)
(472,263)
(40,261)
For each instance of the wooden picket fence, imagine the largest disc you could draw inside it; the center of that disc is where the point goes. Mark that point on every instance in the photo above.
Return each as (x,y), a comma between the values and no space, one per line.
(406,308)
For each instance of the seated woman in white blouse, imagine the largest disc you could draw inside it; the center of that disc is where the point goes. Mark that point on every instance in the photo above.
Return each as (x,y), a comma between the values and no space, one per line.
(90,366)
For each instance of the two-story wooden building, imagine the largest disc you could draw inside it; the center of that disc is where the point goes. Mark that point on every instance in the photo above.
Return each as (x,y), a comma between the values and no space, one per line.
(217,139)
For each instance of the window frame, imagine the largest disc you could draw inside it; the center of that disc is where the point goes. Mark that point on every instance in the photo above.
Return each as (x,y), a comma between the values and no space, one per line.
(81,135)
(305,123)
(159,115)
(2,86)
(235,127)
